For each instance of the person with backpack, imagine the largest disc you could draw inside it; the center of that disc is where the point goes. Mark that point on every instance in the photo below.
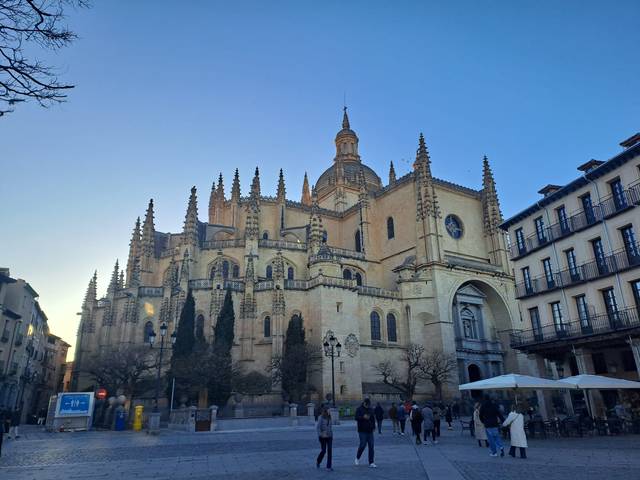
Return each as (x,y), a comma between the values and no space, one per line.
(366,425)
(325,436)
(415,417)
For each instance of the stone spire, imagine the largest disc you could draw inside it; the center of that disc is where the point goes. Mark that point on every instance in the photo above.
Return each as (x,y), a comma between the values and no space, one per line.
(346,143)
(490,202)
(345,119)
(306,194)
(424,179)
(212,202)
(113,283)
(91,296)
(281,190)
(255,185)
(185,268)
(235,189)
(216,202)
(315,223)
(392,174)
(121,280)
(135,250)
(220,190)
(190,230)
(148,238)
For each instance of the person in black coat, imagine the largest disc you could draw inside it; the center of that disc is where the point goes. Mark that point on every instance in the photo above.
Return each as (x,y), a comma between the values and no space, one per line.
(492,419)
(379,414)
(365,419)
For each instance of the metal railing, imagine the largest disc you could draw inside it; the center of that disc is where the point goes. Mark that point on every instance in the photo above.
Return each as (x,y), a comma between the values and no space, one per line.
(282,244)
(618,261)
(589,325)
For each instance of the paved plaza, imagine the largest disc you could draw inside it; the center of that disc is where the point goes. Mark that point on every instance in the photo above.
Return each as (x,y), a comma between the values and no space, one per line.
(290,454)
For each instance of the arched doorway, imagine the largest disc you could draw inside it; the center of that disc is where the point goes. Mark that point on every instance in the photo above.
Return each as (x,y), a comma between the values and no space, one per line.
(474,373)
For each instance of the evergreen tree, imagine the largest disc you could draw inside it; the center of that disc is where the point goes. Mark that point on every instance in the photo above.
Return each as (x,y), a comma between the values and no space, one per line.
(295,360)
(221,382)
(185,337)
(223,332)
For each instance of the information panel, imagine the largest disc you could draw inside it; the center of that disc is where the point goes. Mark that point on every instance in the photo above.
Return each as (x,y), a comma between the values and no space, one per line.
(75,404)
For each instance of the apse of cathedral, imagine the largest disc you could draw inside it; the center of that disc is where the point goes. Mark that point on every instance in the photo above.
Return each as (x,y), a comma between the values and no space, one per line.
(379,266)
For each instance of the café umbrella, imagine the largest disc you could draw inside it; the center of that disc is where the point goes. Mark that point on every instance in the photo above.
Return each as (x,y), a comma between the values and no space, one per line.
(515,382)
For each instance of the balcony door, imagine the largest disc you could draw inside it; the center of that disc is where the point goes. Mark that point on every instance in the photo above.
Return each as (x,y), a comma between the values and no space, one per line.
(583,314)
(611,307)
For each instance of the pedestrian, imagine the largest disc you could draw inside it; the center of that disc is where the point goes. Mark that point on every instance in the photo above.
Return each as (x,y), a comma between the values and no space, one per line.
(515,422)
(42,416)
(325,435)
(427,424)
(456,410)
(379,414)
(1,430)
(366,425)
(437,412)
(15,423)
(491,418)
(479,431)
(393,415)
(415,417)
(448,417)
(402,419)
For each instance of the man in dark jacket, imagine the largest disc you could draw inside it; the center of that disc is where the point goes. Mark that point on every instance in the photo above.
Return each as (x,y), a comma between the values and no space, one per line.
(379,413)
(491,418)
(366,426)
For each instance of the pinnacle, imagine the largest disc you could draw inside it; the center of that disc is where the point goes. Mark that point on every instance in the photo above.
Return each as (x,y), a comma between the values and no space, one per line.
(345,120)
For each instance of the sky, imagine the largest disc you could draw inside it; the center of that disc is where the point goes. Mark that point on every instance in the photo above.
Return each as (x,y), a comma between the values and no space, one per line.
(168,94)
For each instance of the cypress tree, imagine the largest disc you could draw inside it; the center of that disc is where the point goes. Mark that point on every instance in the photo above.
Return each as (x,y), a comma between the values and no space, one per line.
(221,381)
(294,361)
(185,337)
(223,332)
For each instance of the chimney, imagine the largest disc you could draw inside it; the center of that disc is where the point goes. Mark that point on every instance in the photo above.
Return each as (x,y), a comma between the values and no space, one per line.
(549,189)
(590,165)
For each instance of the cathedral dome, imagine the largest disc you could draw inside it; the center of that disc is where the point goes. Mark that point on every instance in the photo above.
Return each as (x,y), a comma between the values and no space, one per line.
(351,170)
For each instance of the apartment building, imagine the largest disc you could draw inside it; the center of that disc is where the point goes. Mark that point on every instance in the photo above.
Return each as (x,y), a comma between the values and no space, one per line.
(576,260)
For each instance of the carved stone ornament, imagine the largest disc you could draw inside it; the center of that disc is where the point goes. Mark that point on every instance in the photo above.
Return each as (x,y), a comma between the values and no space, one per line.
(351,345)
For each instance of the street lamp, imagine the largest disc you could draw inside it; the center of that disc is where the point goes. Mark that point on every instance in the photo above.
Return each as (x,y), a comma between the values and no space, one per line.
(152,340)
(332,349)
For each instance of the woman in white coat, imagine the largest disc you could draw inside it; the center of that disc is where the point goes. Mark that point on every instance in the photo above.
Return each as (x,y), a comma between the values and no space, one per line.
(515,422)
(478,427)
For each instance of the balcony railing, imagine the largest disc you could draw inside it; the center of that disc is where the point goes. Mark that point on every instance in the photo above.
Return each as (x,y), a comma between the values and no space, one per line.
(217,244)
(150,291)
(618,261)
(206,284)
(282,244)
(343,252)
(589,325)
(608,207)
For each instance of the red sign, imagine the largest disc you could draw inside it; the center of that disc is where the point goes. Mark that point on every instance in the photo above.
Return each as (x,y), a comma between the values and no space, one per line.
(101,394)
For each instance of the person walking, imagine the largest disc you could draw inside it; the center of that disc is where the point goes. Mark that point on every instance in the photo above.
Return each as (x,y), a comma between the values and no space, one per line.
(42,416)
(478,427)
(325,436)
(491,418)
(379,414)
(515,422)
(415,417)
(1,430)
(448,417)
(366,425)
(15,423)
(437,412)
(427,424)
(402,419)
(393,416)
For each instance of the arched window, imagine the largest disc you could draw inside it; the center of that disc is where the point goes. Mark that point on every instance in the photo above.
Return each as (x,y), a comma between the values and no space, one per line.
(375,327)
(267,327)
(392,333)
(200,327)
(325,236)
(469,327)
(358,279)
(390,230)
(290,273)
(346,274)
(236,271)
(269,271)
(213,272)
(225,269)
(265,235)
(148,329)
(358,243)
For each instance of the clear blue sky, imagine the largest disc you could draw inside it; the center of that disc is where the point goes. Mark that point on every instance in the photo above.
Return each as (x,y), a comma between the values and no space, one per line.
(170,93)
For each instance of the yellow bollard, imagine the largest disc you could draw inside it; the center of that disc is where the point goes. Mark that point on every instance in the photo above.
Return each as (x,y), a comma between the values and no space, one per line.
(137,418)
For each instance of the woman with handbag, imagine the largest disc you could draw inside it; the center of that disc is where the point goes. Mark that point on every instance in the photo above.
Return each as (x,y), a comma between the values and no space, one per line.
(325,435)
(515,422)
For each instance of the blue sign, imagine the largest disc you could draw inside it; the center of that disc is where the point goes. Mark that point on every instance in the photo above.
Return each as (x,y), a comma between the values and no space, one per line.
(75,404)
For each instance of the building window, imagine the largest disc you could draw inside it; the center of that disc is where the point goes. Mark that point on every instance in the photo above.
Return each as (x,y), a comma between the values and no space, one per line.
(540,233)
(572,264)
(561,213)
(558,319)
(390,230)
(375,327)
(225,269)
(534,315)
(338,307)
(269,272)
(346,274)
(522,249)
(265,235)
(599,363)
(454,226)
(587,207)
(267,327)
(617,191)
(290,273)
(598,253)
(583,313)
(236,271)
(469,327)
(392,334)
(526,277)
(630,245)
(358,242)
(148,330)
(341,368)
(635,288)
(611,306)
(548,273)
(358,279)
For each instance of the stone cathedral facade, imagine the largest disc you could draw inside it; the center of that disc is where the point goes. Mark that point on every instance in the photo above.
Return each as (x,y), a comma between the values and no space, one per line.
(418,260)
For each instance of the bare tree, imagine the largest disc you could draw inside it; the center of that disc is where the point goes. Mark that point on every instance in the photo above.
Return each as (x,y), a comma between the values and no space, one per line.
(129,369)
(23,24)
(438,367)
(406,378)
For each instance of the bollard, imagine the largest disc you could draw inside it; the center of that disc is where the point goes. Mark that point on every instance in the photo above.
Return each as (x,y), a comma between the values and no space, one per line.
(214,418)
(311,411)
(293,413)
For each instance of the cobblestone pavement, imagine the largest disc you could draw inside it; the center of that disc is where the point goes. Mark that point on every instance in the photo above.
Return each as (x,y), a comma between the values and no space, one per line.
(290,454)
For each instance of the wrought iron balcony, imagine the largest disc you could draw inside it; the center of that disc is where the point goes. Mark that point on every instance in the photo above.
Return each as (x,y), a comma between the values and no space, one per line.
(591,325)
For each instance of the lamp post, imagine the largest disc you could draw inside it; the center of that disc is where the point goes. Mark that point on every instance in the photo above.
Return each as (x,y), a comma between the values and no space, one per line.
(152,340)
(332,349)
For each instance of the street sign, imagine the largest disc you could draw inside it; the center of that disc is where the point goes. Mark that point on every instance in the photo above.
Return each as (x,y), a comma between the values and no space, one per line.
(74,404)
(101,393)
